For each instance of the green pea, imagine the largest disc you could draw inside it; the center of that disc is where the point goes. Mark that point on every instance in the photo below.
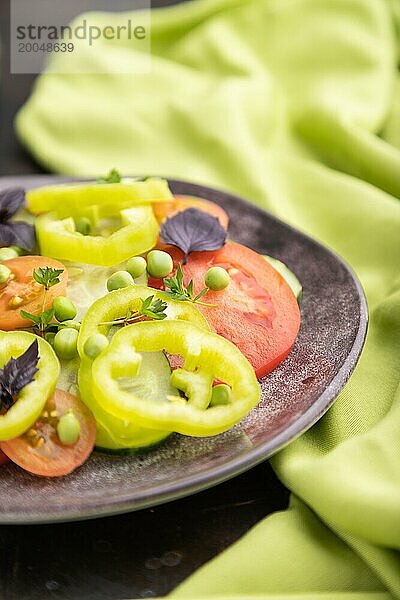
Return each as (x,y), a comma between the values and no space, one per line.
(159,264)
(217,279)
(70,323)
(64,308)
(49,337)
(136,266)
(6,253)
(95,344)
(68,429)
(83,226)
(65,342)
(221,395)
(119,280)
(5,273)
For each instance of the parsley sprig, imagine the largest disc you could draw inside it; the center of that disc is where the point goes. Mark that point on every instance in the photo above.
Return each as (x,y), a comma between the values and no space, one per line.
(153,309)
(113,177)
(176,289)
(41,321)
(46,277)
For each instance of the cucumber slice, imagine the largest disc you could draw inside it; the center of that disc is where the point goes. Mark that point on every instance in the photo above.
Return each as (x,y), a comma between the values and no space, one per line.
(87,283)
(126,451)
(152,383)
(287,274)
(114,435)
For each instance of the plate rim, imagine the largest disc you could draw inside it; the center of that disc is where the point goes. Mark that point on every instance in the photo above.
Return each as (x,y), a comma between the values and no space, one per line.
(167,492)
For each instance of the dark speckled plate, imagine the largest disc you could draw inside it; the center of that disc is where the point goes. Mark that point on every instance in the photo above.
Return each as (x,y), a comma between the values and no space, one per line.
(294,396)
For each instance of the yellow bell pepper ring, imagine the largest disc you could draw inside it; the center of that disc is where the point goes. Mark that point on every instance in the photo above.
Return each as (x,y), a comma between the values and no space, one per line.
(33,397)
(207,356)
(57,238)
(72,199)
(116,304)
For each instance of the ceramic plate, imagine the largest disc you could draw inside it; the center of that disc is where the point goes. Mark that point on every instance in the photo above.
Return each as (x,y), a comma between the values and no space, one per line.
(294,396)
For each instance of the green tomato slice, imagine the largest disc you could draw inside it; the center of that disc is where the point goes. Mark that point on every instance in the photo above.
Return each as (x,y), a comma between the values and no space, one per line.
(31,400)
(207,356)
(57,238)
(73,199)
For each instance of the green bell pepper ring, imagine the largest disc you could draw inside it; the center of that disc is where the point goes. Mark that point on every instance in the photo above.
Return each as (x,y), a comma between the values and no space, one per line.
(115,305)
(73,198)
(112,432)
(204,353)
(57,238)
(32,398)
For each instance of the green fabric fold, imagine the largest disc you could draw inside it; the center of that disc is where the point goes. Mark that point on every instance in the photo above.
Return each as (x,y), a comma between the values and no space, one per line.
(294,104)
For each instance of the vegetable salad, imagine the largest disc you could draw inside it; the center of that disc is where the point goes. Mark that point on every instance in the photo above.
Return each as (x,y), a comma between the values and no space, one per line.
(126,314)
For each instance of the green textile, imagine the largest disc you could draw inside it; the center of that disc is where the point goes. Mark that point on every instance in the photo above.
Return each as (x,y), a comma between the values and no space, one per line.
(294,104)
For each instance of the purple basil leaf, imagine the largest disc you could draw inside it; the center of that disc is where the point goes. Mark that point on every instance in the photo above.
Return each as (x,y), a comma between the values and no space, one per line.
(192,230)
(17,233)
(11,200)
(17,373)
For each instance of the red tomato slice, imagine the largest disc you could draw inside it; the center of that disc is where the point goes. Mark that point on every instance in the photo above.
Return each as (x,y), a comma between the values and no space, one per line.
(51,458)
(3,458)
(257,311)
(162,210)
(22,292)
